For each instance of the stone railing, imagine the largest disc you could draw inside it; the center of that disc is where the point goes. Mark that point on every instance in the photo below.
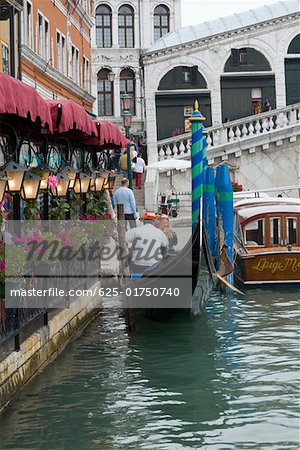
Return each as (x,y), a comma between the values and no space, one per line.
(231,132)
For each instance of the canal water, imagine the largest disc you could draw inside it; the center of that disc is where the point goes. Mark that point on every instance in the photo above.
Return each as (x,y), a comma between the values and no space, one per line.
(226,380)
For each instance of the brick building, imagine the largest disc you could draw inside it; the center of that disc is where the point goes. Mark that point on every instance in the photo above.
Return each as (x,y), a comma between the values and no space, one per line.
(56,49)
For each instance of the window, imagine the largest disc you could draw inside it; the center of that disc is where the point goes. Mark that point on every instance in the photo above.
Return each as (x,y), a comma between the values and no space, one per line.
(43,37)
(5,58)
(86,74)
(28,24)
(291,231)
(186,74)
(76,77)
(63,53)
(161,21)
(40,35)
(58,46)
(254,233)
(47,40)
(105,93)
(103,26)
(126,27)
(275,232)
(127,86)
(243,56)
(75,64)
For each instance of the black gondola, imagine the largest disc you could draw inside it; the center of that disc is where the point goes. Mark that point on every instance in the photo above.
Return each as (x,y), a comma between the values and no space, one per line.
(189,272)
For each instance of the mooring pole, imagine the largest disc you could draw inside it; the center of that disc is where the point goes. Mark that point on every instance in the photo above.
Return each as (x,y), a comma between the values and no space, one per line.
(198,149)
(123,261)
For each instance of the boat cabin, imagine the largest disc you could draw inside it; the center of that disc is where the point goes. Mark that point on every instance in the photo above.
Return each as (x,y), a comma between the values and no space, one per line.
(264,224)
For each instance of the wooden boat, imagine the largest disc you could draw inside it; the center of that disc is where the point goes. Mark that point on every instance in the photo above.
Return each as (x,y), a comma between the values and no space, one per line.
(191,271)
(267,241)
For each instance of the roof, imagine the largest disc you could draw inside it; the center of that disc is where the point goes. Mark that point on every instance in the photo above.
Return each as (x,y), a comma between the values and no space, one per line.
(206,29)
(261,206)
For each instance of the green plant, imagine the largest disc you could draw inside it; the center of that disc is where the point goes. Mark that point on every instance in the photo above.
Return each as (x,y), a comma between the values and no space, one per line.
(31,209)
(59,207)
(96,204)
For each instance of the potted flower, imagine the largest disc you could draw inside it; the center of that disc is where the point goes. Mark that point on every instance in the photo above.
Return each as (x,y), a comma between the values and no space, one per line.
(236,187)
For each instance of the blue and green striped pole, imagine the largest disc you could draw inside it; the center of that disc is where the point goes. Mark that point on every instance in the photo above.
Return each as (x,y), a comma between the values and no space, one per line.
(198,151)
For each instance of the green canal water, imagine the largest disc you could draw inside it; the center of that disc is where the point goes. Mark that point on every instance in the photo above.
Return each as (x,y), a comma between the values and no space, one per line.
(226,380)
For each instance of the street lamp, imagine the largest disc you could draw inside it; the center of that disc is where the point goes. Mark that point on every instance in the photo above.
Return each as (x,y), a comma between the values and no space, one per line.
(127,117)
(97,182)
(15,174)
(30,187)
(82,183)
(62,186)
(71,172)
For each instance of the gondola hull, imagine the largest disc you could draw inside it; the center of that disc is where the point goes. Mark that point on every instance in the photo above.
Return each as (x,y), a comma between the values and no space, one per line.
(186,279)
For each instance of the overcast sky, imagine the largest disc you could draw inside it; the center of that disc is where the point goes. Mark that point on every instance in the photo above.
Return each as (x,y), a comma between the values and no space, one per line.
(197,11)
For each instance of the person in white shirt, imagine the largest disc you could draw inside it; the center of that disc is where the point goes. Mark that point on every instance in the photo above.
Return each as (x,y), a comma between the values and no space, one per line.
(139,169)
(149,245)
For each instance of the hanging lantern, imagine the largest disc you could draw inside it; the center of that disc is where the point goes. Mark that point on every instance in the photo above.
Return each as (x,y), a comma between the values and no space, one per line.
(82,183)
(3,185)
(71,172)
(30,187)
(15,174)
(62,185)
(97,183)
(44,171)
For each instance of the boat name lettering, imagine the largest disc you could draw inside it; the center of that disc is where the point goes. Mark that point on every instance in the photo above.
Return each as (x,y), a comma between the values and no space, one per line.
(292,264)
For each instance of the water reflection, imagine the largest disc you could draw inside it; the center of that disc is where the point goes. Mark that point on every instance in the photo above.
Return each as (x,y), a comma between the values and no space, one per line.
(227,380)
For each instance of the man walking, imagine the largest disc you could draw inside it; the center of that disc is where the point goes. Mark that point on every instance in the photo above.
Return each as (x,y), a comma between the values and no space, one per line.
(125,196)
(139,169)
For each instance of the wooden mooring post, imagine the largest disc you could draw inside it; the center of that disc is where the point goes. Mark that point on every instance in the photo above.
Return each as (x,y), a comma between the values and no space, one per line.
(124,263)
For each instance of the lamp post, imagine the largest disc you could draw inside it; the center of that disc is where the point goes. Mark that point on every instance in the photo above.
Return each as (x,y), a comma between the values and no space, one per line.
(127,117)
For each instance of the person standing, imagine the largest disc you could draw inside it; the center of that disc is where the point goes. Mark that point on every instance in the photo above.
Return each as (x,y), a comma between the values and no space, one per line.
(123,164)
(139,169)
(125,196)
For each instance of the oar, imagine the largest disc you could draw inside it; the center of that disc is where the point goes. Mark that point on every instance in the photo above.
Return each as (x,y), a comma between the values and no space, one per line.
(233,288)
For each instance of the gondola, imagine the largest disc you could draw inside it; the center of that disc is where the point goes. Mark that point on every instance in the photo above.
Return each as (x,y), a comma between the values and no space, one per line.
(180,282)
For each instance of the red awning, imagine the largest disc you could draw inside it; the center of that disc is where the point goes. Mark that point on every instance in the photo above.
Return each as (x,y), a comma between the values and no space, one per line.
(24,101)
(72,117)
(110,136)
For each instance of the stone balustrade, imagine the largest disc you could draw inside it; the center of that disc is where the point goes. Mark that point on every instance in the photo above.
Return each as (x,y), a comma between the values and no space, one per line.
(221,137)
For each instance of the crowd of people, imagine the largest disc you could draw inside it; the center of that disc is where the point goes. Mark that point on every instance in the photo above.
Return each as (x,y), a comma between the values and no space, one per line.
(119,162)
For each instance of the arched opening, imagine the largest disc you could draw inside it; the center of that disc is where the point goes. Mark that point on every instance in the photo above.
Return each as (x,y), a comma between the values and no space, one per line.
(248,80)
(103,26)
(292,72)
(105,93)
(126,26)
(127,86)
(161,21)
(177,92)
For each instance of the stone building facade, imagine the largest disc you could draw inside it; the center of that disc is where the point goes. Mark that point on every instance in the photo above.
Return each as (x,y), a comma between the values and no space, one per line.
(123,31)
(231,65)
